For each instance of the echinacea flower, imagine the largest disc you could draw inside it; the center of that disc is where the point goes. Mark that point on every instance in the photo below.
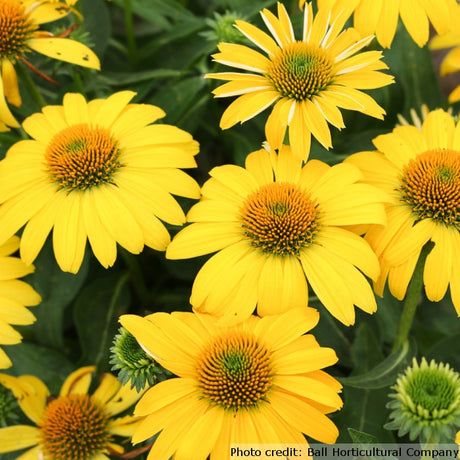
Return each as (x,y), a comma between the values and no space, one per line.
(74,425)
(277,225)
(20,33)
(420,170)
(306,80)
(260,381)
(95,170)
(133,364)
(426,402)
(380,17)
(15,296)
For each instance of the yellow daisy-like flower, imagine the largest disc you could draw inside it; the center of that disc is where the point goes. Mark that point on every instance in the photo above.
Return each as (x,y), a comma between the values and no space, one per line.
(257,382)
(380,17)
(96,171)
(74,425)
(307,80)
(15,296)
(457,440)
(276,226)
(420,170)
(19,34)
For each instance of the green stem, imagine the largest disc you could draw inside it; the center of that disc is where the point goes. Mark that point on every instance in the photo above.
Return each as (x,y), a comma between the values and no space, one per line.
(137,279)
(412,297)
(78,82)
(130,37)
(30,85)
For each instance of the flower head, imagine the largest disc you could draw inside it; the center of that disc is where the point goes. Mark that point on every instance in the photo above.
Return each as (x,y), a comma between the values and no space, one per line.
(74,425)
(96,171)
(133,363)
(381,18)
(420,171)
(15,296)
(257,382)
(426,402)
(278,225)
(20,33)
(306,80)
(222,28)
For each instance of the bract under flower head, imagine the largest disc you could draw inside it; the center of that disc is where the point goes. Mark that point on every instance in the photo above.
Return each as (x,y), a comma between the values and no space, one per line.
(257,382)
(306,80)
(420,171)
(277,226)
(95,170)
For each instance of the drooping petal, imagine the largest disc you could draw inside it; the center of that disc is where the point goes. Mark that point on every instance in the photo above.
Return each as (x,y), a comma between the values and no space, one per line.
(66,50)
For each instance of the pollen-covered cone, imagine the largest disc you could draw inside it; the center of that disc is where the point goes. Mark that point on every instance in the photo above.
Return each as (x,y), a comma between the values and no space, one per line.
(95,170)
(380,17)
(307,81)
(420,170)
(20,33)
(15,296)
(277,226)
(73,425)
(260,381)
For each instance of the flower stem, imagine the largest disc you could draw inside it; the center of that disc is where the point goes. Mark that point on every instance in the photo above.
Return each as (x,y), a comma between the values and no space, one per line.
(130,38)
(412,298)
(29,83)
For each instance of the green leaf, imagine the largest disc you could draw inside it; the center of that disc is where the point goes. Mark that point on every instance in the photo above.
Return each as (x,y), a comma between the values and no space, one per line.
(57,289)
(446,351)
(359,437)
(180,98)
(97,22)
(162,13)
(49,365)
(414,71)
(96,314)
(364,409)
(129,78)
(384,373)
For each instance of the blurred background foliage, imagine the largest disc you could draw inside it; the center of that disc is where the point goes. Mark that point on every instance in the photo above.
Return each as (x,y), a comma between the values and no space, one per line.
(161,50)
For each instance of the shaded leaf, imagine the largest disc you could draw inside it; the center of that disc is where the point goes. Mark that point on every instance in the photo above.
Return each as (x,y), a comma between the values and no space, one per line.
(96,314)
(49,365)
(384,373)
(57,289)
(360,437)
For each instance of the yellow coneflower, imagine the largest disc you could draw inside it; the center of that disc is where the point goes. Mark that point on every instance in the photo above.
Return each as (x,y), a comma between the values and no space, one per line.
(305,80)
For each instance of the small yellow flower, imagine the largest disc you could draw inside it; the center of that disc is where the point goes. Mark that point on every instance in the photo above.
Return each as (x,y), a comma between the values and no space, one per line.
(277,227)
(15,296)
(95,170)
(380,17)
(420,171)
(20,33)
(258,382)
(74,425)
(306,80)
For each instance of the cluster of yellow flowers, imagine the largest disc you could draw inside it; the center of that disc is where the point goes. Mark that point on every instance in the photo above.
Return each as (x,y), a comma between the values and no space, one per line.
(102,171)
